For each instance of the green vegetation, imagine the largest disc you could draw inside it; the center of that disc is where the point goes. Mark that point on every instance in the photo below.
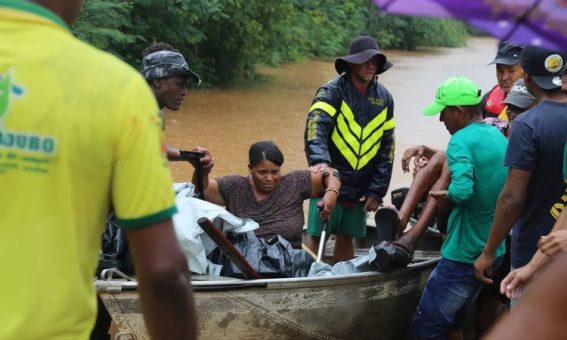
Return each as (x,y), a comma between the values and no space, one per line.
(225,39)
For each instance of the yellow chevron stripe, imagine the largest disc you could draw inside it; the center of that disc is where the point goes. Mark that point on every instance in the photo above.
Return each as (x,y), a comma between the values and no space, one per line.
(389,125)
(368,157)
(374,138)
(347,112)
(325,107)
(347,135)
(364,141)
(374,123)
(344,149)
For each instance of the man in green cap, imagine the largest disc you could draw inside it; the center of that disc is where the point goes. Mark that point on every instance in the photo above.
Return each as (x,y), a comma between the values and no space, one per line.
(475,155)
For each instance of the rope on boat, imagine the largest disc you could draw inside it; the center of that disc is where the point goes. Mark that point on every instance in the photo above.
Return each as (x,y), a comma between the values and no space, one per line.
(278,318)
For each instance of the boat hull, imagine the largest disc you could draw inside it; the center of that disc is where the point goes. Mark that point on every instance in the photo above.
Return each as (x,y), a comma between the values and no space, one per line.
(355,306)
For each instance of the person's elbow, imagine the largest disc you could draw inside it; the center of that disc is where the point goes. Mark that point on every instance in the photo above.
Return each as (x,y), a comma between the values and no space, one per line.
(460,196)
(511,199)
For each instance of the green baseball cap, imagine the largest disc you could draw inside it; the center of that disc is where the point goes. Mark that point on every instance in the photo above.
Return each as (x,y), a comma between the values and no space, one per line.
(455,91)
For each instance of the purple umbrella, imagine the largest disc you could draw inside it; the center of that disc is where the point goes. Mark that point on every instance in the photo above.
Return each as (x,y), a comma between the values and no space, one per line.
(531,22)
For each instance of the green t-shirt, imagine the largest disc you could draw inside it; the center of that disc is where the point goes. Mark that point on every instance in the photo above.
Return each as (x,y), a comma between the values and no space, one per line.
(475,155)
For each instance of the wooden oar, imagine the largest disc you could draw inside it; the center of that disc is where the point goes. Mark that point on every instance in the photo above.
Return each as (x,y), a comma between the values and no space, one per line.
(309,251)
(228,249)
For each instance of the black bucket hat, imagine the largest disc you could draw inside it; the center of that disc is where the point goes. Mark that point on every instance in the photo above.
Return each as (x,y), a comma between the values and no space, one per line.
(361,49)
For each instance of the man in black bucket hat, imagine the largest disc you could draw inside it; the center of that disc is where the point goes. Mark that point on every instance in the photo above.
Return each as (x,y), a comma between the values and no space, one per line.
(360,51)
(350,126)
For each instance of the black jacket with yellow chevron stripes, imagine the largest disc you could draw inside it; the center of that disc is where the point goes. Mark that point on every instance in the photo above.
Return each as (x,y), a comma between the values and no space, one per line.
(354,133)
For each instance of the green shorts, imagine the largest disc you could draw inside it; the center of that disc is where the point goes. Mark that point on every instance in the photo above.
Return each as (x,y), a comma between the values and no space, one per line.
(345,221)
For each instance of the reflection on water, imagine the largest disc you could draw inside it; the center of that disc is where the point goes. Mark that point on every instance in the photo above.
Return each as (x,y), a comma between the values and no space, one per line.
(228,121)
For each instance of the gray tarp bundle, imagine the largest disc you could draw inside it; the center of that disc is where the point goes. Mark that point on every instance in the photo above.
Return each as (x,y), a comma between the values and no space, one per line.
(274,257)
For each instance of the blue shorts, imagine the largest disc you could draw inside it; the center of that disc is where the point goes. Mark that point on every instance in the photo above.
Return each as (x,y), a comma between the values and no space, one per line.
(449,292)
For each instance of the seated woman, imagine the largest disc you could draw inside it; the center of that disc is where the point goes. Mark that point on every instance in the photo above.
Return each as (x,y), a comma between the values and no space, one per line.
(273,200)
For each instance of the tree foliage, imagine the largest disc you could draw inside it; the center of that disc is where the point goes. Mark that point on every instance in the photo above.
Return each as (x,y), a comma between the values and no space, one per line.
(224,40)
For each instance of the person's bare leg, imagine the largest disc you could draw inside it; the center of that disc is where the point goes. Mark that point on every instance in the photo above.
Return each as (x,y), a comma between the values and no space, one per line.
(313,243)
(344,249)
(422,183)
(412,236)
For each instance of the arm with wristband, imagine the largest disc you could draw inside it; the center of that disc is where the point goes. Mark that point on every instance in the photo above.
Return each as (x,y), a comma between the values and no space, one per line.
(328,184)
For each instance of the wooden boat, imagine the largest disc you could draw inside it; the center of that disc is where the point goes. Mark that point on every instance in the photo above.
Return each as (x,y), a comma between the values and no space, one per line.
(368,305)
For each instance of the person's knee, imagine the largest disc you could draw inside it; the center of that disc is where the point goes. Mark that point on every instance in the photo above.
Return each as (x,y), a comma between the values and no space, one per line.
(344,248)
(428,175)
(313,242)
(438,158)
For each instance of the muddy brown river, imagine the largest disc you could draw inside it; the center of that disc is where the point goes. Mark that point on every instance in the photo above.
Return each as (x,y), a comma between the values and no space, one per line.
(228,121)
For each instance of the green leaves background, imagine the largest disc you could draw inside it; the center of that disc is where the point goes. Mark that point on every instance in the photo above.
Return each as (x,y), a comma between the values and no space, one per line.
(224,40)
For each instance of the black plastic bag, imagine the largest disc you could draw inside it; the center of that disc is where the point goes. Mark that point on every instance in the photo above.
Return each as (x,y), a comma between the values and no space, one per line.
(271,258)
(385,257)
(114,252)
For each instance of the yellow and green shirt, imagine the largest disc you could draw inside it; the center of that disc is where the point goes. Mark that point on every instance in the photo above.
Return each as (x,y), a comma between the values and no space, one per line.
(79,132)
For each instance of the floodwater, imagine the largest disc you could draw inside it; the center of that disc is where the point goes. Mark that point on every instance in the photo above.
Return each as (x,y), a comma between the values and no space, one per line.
(229,121)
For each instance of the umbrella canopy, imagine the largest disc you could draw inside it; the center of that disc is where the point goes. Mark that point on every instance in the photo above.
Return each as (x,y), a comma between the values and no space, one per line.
(530,22)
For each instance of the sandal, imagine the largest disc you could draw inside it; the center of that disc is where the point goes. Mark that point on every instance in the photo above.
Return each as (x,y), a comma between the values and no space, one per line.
(387,224)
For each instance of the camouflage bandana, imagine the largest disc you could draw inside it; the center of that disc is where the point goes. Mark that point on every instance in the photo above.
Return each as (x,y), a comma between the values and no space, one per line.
(164,64)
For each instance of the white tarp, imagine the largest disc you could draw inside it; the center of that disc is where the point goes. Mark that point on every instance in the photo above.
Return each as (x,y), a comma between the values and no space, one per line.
(193,240)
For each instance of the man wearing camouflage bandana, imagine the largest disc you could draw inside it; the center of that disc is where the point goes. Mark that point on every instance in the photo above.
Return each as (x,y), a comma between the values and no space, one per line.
(168,75)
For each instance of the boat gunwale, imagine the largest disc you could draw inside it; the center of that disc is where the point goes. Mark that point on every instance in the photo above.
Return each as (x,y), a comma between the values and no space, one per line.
(118,285)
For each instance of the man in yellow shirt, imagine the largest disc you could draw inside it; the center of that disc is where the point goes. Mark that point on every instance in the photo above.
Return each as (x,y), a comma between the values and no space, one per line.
(79,132)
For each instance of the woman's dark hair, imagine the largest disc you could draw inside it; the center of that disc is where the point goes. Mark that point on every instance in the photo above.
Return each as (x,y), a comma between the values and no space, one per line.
(265,150)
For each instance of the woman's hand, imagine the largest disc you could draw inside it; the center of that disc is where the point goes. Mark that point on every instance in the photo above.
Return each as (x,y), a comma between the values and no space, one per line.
(327,204)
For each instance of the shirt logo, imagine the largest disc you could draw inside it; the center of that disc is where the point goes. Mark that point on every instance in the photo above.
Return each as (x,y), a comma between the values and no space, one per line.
(376,101)
(8,90)
(25,141)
